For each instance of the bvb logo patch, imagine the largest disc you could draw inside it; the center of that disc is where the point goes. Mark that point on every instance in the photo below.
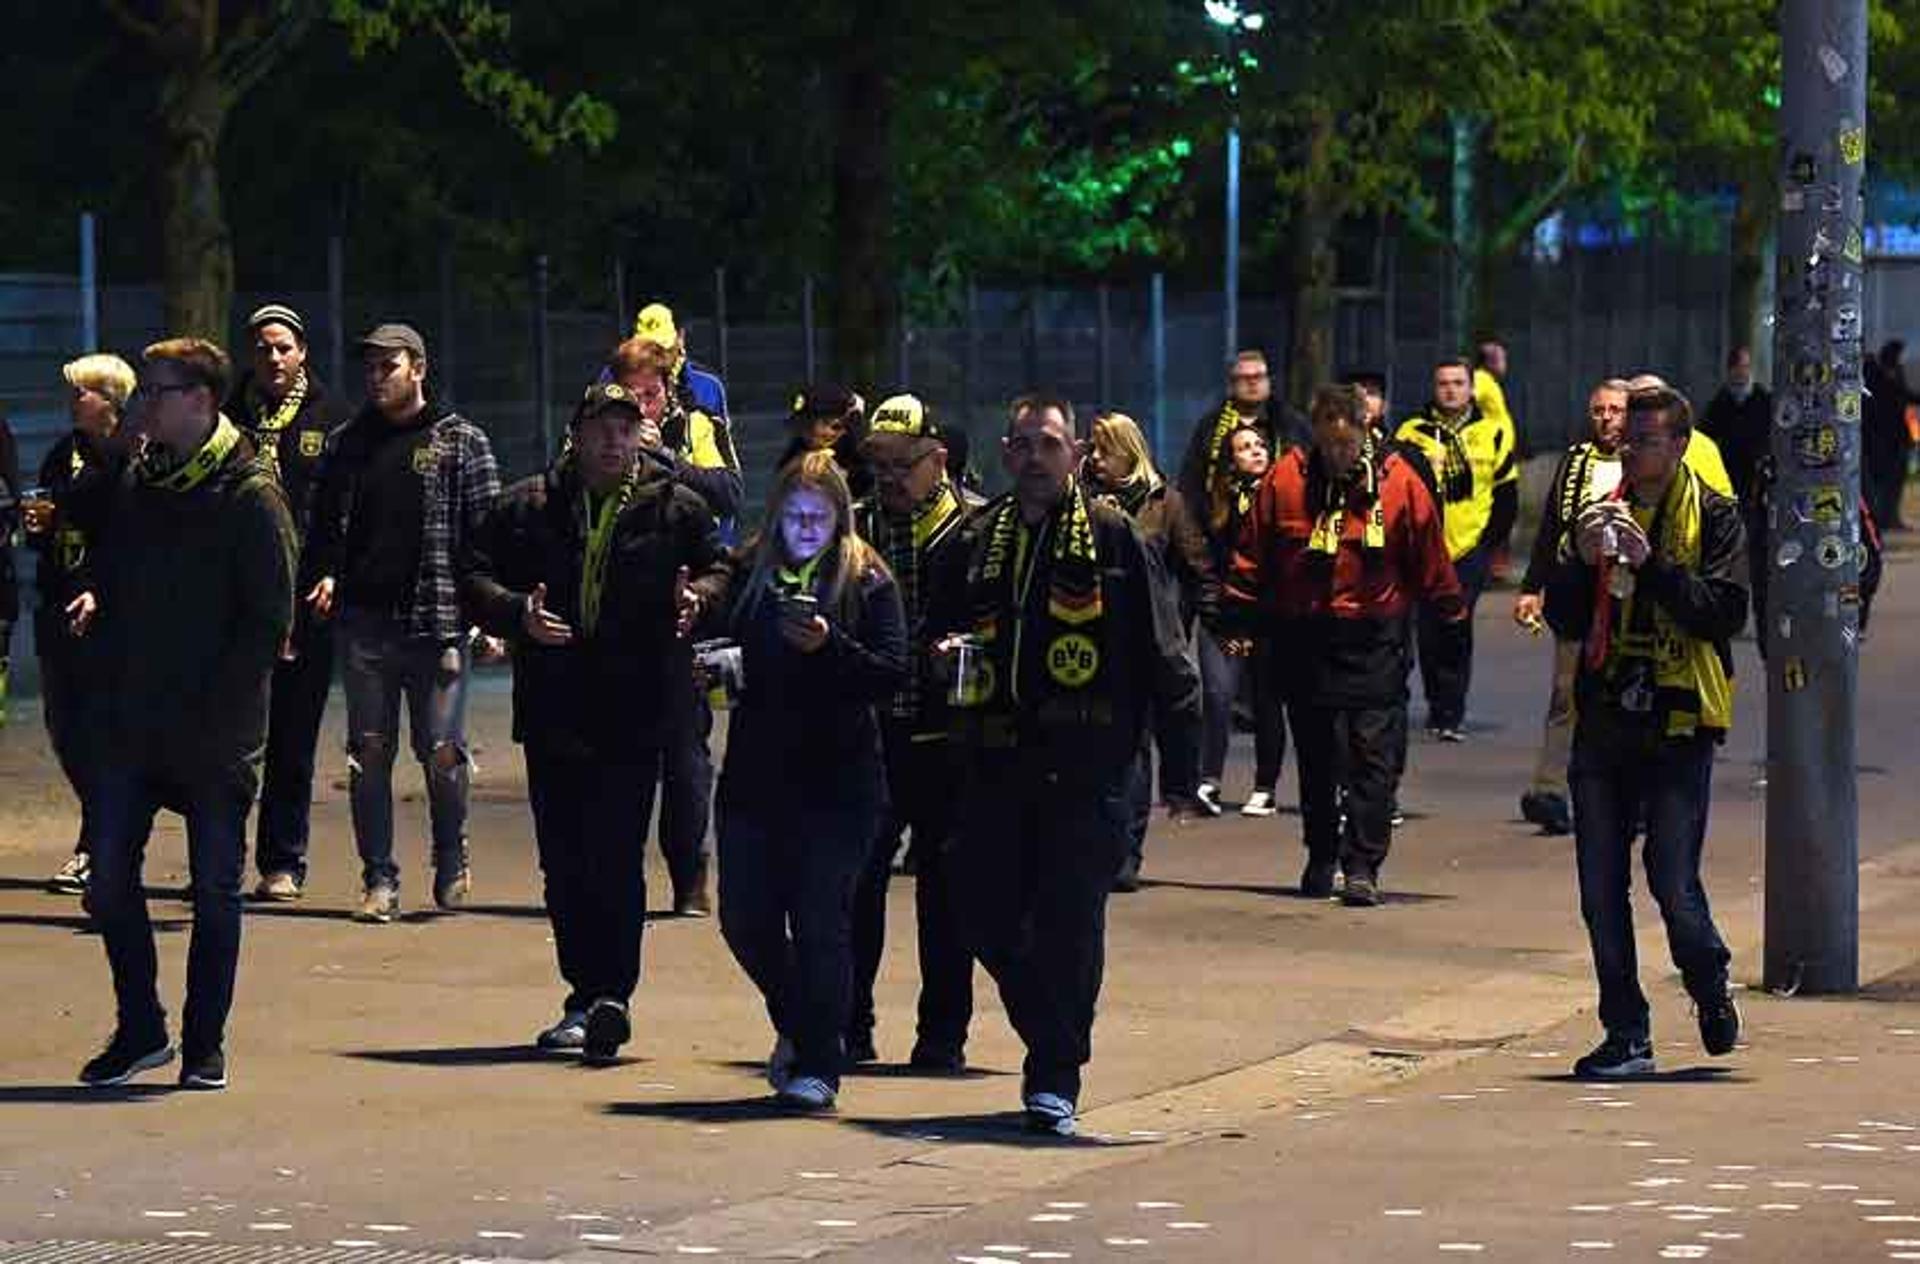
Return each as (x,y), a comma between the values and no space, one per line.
(1073,659)
(311,442)
(423,459)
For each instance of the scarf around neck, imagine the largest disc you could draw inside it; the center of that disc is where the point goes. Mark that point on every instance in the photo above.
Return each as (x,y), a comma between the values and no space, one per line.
(1330,499)
(158,468)
(596,523)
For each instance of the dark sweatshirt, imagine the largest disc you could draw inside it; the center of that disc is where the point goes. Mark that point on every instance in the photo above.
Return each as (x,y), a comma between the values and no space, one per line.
(196,597)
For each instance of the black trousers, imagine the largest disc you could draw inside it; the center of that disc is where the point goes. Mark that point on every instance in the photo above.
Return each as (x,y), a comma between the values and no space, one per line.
(590,812)
(298,704)
(787,876)
(64,678)
(1034,859)
(686,790)
(1446,649)
(1346,758)
(921,788)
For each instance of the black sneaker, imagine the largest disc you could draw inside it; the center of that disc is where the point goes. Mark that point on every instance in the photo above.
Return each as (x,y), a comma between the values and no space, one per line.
(1051,1115)
(1127,881)
(1719,1023)
(1617,1057)
(125,1056)
(935,1059)
(204,1071)
(1316,880)
(1547,810)
(608,1027)
(1361,891)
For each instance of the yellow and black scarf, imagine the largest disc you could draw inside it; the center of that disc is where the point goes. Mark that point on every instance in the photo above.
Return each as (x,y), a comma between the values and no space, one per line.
(597,523)
(269,422)
(1330,499)
(1000,577)
(159,469)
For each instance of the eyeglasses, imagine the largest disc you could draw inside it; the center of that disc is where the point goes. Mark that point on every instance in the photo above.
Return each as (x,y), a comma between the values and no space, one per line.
(148,391)
(901,468)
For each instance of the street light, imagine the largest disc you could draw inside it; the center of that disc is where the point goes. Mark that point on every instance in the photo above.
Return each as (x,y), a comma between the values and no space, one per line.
(1230,17)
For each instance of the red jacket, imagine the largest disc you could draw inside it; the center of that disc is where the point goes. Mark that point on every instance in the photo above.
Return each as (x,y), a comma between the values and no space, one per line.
(1341,618)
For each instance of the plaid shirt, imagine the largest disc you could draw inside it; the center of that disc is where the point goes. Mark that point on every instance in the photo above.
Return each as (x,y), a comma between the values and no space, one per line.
(459,489)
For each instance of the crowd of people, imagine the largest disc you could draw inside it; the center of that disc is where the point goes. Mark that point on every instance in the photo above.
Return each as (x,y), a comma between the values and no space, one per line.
(987,682)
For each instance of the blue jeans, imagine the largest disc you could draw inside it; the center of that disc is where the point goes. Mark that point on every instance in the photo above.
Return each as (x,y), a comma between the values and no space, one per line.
(1671,783)
(381,666)
(215,806)
(1220,677)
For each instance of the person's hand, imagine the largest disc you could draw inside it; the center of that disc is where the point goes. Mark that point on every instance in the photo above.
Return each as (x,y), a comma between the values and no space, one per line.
(541,624)
(650,436)
(1632,542)
(1527,610)
(1237,646)
(320,599)
(686,603)
(806,635)
(489,649)
(36,516)
(1590,533)
(80,612)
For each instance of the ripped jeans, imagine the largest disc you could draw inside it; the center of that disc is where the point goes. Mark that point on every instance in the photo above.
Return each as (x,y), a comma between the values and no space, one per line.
(381,663)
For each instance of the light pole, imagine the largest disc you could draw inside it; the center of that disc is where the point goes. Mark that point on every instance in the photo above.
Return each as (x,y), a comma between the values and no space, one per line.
(1230,17)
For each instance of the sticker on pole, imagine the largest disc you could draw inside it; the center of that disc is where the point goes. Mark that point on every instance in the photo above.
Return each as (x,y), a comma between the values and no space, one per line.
(1850,595)
(1794,675)
(1811,372)
(1832,552)
(1802,169)
(1826,505)
(1816,447)
(1846,322)
(1853,144)
(1789,554)
(1833,63)
(1846,406)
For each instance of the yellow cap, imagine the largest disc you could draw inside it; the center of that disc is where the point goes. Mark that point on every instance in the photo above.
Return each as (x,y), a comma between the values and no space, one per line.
(655,324)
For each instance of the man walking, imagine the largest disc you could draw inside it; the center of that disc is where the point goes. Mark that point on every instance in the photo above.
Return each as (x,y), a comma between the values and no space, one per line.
(588,568)
(1477,471)
(1079,647)
(1342,540)
(411,481)
(290,417)
(1651,590)
(920,527)
(196,598)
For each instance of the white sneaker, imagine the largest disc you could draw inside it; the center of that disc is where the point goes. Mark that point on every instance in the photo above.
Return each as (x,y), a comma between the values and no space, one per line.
(569,1033)
(1259,803)
(780,1064)
(807,1092)
(1051,1113)
(1208,796)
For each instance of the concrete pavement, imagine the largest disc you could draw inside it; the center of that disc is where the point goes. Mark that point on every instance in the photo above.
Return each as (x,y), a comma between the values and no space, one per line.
(383,1093)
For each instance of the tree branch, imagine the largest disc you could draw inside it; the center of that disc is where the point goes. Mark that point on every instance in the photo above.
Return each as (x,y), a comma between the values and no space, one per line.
(133,24)
(1420,220)
(1523,220)
(252,53)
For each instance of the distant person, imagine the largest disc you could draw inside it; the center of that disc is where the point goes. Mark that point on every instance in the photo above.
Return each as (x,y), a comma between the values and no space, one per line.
(410,483)
(1341,541)
(1080,650)
(1650,589)
(1476,467)
(196,599)
(823,644)
(698,387)
(1886,444)
(78,478)
(1739,418)
(829,418)
(593,568)
(290,416)
(1249,402)
(1489,380)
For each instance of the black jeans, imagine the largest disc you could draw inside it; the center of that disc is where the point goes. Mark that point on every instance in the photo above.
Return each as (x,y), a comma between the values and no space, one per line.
(1446,649)
(299,703)
(65,675)
(787,877)
(686,790)
(1347,757)
(1670,783)
(1221,677)
(1034,858)
(921,789)
(215,805)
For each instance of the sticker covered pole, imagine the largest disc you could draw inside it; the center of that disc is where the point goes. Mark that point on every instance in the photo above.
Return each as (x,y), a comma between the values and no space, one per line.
(1812,550)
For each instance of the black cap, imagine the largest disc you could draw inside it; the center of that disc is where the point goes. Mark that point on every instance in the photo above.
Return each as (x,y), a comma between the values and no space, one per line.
(820,400)
(394,337)
(603,396)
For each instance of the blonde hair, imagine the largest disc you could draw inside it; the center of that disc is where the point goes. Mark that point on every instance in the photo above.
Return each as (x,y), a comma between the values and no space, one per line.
(850,558)
(1118,435)
(103,374)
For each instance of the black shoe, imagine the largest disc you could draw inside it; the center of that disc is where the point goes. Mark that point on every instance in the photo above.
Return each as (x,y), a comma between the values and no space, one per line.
(1360,891)
(1127,881)
(1719,1023)
(938,1059)
(125,1056)
(1547,810)
(204,1071)
(858,1049)
(608,1027)
(1316,880)
(1617,1057)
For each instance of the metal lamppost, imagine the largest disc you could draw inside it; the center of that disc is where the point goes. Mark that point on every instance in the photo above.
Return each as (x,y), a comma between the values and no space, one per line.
(1230,17)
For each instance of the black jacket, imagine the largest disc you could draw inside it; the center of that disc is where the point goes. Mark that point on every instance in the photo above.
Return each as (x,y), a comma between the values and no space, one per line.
(805,734)
(82,499)
(608,691)
(1742,428)
(196,597)
(300,453)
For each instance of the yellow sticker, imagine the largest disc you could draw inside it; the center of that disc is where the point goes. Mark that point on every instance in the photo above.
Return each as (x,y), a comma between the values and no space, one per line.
(423,458)
(1073,659)
(979,691)
(1795,675)
(1853,146)
(311,443)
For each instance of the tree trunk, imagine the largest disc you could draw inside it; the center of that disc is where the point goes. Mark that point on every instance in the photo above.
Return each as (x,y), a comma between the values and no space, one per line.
(863,287)
(1315,215)
(1467,234)
(197,247)
(1753,216)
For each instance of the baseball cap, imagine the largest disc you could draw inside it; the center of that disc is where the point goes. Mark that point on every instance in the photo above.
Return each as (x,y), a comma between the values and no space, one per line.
(905,415)
(277,314)
(394,337)
(603,396)
(821,400)
(655,325)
